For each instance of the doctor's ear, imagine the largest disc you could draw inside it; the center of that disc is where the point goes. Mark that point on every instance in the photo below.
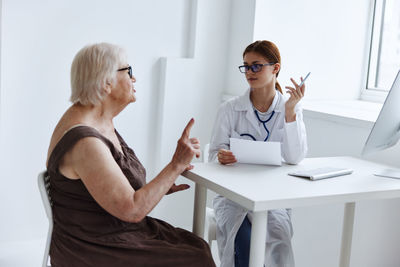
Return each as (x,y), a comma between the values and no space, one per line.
(277,68)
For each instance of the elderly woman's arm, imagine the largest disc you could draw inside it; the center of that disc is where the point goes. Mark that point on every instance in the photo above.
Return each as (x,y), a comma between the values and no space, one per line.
(105,181)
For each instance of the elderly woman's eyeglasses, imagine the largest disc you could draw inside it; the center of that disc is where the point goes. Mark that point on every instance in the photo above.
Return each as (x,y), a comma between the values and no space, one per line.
(129,69)
(254,67)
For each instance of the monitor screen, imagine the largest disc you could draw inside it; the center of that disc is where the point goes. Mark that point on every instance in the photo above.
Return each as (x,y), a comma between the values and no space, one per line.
(386,130)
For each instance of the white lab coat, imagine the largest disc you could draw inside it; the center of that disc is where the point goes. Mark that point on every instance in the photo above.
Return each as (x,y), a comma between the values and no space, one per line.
(236,117)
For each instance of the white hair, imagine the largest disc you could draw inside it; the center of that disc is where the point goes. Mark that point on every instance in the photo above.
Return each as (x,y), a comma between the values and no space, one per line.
(93,67)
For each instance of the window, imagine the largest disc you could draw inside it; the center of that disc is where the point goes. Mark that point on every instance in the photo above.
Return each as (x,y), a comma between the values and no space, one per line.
(384,59)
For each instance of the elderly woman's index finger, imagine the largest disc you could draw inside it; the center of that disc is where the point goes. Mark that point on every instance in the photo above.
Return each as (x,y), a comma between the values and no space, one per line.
(186,131)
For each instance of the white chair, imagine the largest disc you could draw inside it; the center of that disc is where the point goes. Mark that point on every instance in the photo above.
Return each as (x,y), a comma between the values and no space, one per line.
(44,187)
(211,224)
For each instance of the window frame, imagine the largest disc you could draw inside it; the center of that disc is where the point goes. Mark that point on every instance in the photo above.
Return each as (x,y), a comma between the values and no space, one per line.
(375,27)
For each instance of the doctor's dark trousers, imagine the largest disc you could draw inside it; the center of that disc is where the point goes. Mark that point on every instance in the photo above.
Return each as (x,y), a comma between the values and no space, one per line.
(242,244)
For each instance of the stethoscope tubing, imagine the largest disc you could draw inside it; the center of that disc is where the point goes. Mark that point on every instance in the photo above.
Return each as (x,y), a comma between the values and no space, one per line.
(264,124)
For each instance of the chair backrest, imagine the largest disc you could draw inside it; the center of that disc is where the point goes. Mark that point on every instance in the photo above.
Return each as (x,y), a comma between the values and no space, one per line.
(44,189)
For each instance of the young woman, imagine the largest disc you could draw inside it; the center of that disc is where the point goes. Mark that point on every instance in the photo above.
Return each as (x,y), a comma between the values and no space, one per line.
(261,114)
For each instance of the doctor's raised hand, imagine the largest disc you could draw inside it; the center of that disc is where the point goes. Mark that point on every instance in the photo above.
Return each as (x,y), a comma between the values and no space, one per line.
(296,94)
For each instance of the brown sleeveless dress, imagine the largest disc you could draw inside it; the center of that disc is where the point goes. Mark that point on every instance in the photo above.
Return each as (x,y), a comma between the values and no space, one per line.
(84,234)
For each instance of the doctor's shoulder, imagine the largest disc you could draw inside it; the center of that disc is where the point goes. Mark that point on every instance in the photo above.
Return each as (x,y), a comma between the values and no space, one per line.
(230,104)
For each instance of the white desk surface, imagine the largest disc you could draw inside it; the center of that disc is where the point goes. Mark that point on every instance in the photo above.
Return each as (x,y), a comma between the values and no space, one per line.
(260,187)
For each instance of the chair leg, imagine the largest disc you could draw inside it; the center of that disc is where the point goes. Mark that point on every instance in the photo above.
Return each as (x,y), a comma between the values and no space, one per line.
(211,226)
(46,257)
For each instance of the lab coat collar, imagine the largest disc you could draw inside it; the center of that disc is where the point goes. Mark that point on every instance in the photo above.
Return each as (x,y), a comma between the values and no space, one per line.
(244,104)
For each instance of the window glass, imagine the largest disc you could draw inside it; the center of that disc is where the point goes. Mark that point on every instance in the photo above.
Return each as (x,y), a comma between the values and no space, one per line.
(385,45)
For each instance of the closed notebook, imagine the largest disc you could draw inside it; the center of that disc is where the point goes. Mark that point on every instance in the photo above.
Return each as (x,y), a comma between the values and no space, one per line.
(321,173)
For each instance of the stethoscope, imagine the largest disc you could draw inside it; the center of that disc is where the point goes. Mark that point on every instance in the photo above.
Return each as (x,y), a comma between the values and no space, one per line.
(264,124)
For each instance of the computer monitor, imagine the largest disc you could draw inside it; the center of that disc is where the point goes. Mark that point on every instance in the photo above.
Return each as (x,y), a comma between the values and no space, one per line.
(386,130)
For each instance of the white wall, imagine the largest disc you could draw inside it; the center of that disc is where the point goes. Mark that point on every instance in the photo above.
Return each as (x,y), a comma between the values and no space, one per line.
(192,88)
(327,38)
(241,35)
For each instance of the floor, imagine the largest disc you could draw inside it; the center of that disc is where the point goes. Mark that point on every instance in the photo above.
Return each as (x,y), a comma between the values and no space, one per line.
(22,254)
(30,253)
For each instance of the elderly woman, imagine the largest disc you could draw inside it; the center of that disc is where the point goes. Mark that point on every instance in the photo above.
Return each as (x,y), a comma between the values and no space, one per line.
(98,187)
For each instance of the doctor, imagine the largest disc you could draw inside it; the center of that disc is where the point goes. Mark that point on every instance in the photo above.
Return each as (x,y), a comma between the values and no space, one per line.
(261,114)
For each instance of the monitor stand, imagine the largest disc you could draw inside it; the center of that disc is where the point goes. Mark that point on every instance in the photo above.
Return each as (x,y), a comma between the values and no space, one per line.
(389,173)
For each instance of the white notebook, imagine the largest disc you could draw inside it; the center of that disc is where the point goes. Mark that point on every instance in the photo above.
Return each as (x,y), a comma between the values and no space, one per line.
(321,173)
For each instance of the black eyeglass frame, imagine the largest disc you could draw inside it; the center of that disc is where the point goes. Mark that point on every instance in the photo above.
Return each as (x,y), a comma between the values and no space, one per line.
(129,68)
(254,68)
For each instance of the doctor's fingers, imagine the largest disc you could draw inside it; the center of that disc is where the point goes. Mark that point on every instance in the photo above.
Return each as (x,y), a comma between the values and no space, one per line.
(303,87)
(227,161)
(295,93)
(297,88)
(225,152)
(294,83)
(226,157)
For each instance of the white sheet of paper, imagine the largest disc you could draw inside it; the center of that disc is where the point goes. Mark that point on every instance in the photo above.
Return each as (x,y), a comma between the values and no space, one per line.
(256,152)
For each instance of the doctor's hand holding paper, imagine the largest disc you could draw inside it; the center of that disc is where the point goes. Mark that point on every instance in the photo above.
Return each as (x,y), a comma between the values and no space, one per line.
(261,114)
(226,156)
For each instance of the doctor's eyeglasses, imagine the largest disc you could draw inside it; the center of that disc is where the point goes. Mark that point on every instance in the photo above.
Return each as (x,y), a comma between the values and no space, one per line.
(254,68)
(129,70)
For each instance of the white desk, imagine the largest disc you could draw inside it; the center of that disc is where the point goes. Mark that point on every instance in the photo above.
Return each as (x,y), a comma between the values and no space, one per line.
(261,188)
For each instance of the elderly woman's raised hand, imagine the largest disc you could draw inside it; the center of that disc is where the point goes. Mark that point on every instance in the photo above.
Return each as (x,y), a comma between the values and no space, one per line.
(186,149)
